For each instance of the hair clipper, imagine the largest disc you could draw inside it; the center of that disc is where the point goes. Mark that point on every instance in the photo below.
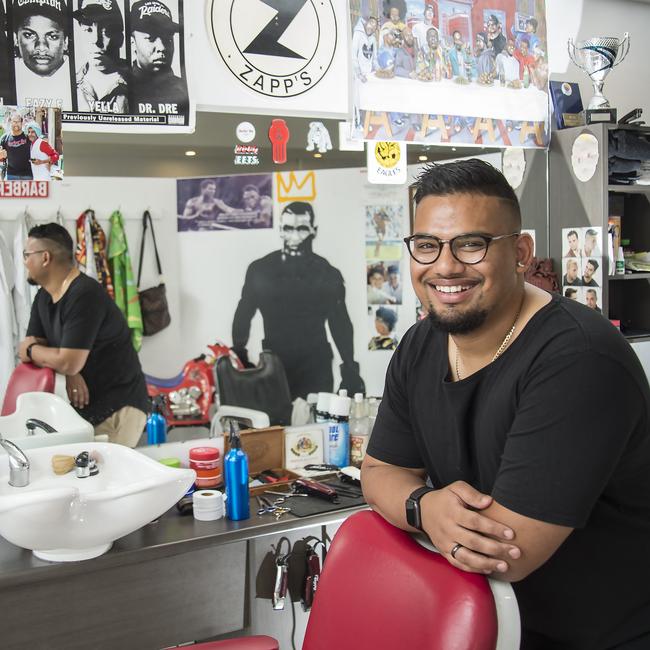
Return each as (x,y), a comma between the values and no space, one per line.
(281,581)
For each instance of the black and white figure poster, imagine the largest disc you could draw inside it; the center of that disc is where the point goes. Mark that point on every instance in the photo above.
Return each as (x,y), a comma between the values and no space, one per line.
(240,202)
(298,293)
(111,65)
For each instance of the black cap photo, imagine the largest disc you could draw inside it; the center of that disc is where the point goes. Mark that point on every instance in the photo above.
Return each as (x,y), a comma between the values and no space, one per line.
(152,17)
(53,9)
(98,11)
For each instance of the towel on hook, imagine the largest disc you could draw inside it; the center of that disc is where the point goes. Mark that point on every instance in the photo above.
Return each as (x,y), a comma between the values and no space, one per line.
(126,291)
(90,253)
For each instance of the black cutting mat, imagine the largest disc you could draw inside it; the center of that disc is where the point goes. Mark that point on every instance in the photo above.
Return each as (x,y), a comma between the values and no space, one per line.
(305,506)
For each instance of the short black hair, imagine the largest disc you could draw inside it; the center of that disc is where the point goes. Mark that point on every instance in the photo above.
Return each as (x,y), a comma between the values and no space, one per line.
(208,181)
(58,240)
(571,232)
(570,291)
(493,19)
(300,207)
(593,263)
(248,188)
(471,176)
(533,23)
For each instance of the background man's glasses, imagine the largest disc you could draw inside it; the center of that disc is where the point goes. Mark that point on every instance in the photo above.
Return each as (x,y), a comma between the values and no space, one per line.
(469,248)
(26,254)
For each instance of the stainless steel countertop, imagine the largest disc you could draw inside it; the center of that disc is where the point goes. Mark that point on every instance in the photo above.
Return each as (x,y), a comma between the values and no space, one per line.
(171,534)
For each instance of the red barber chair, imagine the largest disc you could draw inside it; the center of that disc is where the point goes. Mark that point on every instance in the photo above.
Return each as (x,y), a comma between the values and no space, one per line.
(26,378)
(382,589)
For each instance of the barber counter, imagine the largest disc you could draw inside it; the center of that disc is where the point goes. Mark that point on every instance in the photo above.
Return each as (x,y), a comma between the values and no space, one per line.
(173,581)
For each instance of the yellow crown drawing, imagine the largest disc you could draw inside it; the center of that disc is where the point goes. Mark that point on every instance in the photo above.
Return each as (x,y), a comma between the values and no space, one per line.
(292,189)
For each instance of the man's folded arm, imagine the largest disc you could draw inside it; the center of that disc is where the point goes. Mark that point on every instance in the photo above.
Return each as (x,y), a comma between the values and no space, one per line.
(66,361)
(537,541)
(386,488)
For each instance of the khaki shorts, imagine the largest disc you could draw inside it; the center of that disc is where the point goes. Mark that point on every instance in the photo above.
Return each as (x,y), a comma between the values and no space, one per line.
(123,427)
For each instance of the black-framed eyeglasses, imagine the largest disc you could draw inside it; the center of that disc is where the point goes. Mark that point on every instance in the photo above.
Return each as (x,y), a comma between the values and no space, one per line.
(468,248)
(26,254)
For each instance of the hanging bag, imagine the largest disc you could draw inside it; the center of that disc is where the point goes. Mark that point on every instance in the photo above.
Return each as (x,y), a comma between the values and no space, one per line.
(153,301)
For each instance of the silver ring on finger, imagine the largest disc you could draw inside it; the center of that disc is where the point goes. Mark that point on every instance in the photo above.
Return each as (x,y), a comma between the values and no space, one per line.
(455,550)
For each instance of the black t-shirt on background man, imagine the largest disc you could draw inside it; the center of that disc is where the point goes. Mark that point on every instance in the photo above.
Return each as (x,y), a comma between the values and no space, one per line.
(18,150)
(556,429)
(86,318)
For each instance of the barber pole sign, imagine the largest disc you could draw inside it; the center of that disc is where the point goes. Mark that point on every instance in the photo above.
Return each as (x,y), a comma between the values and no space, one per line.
(24,189)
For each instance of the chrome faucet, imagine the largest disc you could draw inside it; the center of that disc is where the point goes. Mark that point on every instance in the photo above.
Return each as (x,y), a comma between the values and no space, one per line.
(33,423)
(18,464)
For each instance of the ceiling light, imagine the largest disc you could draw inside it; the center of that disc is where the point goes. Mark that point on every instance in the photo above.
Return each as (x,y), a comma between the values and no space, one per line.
(191,152)
(318,155)
(422,158)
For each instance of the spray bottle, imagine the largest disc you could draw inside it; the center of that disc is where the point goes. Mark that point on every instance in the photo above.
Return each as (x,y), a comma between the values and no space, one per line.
(339,431)
(235,471)
(156,424)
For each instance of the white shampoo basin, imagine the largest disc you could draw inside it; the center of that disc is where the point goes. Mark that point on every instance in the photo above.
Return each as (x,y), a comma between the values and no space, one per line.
(51,409)
(65,518)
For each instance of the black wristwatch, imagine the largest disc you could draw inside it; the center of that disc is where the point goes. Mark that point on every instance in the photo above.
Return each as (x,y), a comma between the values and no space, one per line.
(413,516)
(28,351)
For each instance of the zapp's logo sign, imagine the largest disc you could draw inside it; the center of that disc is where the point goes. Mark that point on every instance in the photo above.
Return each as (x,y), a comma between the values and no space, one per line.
(279,48)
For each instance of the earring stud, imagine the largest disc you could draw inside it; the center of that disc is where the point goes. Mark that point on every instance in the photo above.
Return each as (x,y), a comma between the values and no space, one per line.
(520,265)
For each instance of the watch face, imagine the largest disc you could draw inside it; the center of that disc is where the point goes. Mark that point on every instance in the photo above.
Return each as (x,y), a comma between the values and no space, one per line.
(413,513)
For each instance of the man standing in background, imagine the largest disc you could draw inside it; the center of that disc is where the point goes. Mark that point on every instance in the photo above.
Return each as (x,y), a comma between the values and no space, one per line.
(41,39)
(76,329)
(155,87)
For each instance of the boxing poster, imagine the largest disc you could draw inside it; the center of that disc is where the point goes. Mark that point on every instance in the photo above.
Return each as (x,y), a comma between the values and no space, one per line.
(450,72)
(219,203)
(109,65)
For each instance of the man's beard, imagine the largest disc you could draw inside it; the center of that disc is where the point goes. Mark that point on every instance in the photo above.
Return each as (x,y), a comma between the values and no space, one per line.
(458,323)
(32,282)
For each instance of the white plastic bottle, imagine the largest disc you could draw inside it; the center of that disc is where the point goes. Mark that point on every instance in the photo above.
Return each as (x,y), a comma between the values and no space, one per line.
(359,430)
(339,431)
(373,408)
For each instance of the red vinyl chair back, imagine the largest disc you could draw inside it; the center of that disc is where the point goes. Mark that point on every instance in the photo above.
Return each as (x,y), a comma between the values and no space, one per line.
(26,378)
(381,589)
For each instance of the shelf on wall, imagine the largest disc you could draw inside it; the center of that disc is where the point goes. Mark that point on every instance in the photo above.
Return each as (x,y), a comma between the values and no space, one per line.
(630,276)
(630,189)
(639,128)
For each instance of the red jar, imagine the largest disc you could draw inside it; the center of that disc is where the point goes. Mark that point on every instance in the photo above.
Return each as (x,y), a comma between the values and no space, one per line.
(205,461)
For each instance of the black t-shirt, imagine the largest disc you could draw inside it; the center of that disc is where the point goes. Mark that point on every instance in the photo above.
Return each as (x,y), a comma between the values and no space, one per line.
(86,318)
(556,429)
(18,150)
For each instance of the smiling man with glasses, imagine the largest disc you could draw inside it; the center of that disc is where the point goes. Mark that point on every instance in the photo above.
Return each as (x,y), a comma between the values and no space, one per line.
(491,397)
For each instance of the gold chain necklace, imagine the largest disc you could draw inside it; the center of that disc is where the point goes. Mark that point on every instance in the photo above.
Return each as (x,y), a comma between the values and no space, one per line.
(502,347)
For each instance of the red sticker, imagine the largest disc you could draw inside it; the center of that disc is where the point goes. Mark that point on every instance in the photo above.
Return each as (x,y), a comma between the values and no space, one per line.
(279,136)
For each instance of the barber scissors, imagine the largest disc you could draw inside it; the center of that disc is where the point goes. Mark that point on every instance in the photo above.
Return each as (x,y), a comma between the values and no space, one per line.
(267,507)
(283,496)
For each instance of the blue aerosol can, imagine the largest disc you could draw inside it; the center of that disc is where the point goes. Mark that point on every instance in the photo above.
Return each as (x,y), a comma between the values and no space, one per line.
(235,472)
(156,424)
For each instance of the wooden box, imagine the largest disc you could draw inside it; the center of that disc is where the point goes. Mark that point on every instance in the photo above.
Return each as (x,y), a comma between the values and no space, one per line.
(265,450)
